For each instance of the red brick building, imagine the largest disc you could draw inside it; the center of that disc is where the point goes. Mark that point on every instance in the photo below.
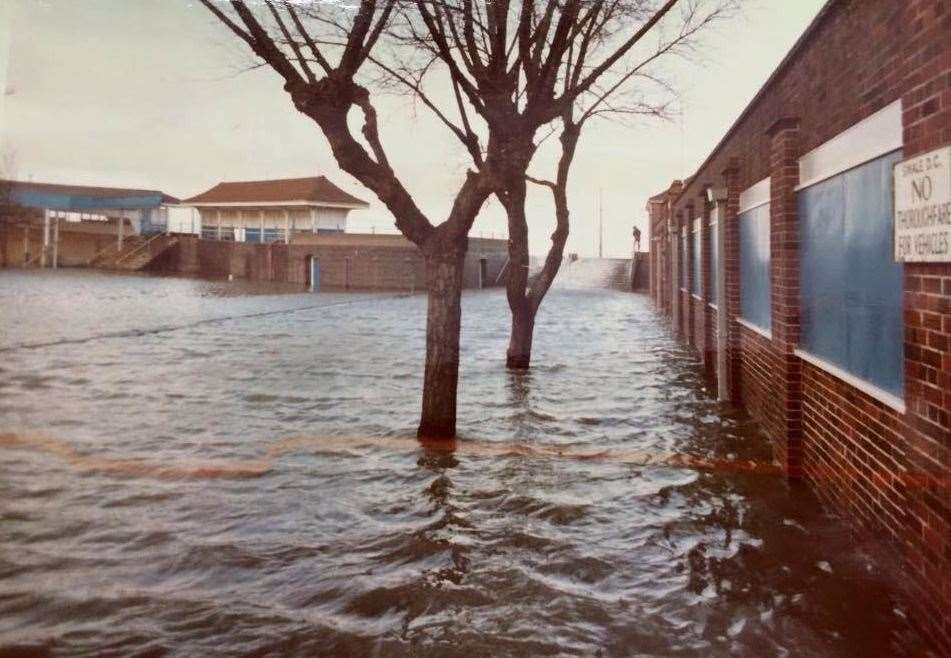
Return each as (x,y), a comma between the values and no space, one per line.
(775,262)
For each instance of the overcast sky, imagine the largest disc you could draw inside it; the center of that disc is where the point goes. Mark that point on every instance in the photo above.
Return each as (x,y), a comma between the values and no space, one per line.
(152,94)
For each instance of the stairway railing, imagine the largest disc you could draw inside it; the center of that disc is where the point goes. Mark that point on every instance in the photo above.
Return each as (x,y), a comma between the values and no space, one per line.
(32,259)
(138,249)
(96,256)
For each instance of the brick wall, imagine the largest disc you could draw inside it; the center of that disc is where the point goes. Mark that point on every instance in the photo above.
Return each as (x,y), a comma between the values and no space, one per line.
(374,262)
(854,451)
(698,328)
(731,261)
(885,470)
(926,430)
(351,263)
(785,429)
(20,242)
(755,376)
(686,317)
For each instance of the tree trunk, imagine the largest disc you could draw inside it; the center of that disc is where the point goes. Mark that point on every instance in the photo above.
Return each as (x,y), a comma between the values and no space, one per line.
(526,296)
(519,355)
(443,319)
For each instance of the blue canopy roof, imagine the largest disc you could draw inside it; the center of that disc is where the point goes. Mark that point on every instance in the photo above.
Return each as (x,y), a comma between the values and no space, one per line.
(78,198)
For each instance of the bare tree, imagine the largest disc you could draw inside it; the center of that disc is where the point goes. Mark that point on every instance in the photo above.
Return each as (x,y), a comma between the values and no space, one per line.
(628,89)
(513,69)
(517,68)
(320,49)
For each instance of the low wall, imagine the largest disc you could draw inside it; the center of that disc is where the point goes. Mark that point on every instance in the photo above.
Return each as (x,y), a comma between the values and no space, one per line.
(346,260)
(354,261)
(21,243)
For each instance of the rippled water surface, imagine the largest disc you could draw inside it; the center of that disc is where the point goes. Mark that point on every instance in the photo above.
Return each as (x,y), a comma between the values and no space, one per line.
(123,531)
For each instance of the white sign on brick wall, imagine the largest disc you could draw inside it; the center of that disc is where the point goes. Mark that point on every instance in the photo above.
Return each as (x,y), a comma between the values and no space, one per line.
(923,208)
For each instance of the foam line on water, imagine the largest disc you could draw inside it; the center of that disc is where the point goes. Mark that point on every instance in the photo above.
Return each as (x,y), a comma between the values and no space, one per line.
(263,465)
(258,467)
(126,333)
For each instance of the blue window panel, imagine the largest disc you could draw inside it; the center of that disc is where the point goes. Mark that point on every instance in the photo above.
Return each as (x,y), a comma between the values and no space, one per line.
(211,233)
(696,284)
(252,234)
(273,235)
(755,297)
(850,286)
(683,261)
(821,224)
(714,263)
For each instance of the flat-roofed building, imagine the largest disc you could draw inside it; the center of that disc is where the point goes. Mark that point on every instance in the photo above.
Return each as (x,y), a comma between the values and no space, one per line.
(273,210)
(62,224)
(143,211)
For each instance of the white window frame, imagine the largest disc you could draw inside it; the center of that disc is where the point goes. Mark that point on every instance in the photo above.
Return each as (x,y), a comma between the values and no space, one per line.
(754,196)
(886,398)
(874,136)
(710,226)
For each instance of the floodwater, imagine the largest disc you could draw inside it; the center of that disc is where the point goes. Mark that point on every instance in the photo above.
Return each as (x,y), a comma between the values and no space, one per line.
(192,468)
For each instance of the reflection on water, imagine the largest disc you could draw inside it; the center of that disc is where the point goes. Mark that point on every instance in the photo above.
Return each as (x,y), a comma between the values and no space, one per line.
(600,503)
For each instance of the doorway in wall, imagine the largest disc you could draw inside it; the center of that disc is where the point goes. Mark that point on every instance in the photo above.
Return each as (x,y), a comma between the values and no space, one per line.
(311,273)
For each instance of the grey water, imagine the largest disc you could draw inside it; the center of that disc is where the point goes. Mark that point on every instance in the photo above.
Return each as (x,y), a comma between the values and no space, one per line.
(356,540)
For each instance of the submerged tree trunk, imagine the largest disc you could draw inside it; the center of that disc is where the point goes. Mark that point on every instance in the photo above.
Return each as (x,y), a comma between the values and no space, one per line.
(526,297)
(443,319)
(444,248)
(519,355)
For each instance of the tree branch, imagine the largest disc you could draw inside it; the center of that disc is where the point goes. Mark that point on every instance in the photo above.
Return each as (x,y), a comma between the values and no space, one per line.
(263,45)
(287,35)
(599,70)
(321,60)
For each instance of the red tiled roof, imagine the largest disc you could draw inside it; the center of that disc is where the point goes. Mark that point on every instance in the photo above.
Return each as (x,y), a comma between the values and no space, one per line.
(316,189)
(88,191)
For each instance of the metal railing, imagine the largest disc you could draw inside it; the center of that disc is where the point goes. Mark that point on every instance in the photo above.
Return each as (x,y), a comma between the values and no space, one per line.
(138,249)
(389,229)
(96,256)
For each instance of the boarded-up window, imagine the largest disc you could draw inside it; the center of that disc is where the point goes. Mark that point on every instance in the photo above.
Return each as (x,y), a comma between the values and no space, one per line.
(714,263)
(683,260)
(850,286)
(754,267)
(696,283)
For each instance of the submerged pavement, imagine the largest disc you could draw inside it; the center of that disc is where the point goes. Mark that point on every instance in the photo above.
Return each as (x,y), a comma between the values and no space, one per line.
(195,468)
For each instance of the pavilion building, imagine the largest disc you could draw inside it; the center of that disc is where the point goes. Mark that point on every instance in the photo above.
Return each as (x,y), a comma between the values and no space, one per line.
(273,210)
